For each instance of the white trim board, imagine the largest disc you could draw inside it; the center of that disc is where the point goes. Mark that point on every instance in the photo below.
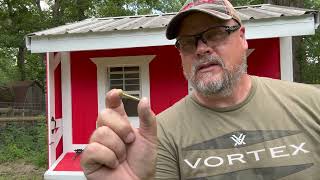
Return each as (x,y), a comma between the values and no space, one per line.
(50,174)
(78,146)
(66,101)
(286,59)
(255,29)
(51,63)
(102,64)
(63,175)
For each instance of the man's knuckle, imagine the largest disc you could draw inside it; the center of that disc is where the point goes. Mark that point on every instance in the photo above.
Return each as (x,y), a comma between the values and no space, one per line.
(106,112)
(102,132)
(91,148)
(124,128)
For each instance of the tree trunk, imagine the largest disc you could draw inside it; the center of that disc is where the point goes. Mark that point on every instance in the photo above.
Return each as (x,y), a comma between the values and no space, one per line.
(21,64)
(296,41)
(56,13)
(38,5)
(81,10)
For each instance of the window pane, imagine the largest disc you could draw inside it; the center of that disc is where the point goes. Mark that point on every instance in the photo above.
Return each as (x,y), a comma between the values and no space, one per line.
(136,95)
(132,75)
(116,87)
(112,82)
(130,106)
(135,68)
(116,76)
(128,79)
(132,88)
(134,81)
(113,69)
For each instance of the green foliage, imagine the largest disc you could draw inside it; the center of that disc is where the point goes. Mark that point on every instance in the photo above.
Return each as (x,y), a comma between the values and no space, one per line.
(35,68)
(309,54)
(107,8)
(26,141)
(21,17)
(312,4)
(18,17)
(62,12)
(8,70)
(167,6)
(246,2)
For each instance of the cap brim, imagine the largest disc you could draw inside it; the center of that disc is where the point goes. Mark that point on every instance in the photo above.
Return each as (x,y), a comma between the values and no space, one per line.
(174,25)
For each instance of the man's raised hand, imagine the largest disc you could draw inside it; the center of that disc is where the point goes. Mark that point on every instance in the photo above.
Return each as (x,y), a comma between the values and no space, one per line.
(117,150)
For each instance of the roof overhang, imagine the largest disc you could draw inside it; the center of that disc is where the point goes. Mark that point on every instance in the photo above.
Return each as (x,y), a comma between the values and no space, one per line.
(255,29)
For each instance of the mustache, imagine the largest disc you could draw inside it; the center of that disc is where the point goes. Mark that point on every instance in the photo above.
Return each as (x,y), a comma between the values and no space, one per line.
(208,59)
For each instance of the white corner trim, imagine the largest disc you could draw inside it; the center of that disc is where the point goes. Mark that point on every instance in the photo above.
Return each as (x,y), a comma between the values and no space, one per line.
(66,101)
(255,29)
(286,59)
(102,64)
(50,104)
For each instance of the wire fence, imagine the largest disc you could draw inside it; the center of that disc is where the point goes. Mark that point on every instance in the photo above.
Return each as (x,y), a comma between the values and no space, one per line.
(12,109)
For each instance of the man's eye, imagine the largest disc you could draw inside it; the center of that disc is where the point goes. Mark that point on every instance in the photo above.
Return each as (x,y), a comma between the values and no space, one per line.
(187,41)
(214,34)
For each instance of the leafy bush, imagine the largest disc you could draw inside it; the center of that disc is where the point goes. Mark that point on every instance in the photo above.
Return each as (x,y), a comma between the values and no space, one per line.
(24,141)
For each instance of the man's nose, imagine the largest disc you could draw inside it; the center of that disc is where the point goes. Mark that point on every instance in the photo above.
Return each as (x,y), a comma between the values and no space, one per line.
(203,49)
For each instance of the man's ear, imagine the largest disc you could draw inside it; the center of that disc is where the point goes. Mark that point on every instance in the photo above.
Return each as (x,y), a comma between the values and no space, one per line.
(243,37)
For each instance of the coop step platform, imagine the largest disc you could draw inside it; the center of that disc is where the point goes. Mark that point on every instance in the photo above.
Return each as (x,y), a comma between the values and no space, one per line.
(66,167)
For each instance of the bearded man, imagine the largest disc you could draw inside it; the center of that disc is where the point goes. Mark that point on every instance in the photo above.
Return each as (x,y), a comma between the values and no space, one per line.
(233,126)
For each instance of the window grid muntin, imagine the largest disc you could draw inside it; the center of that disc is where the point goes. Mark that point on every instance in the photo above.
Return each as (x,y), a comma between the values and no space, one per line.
(120,70)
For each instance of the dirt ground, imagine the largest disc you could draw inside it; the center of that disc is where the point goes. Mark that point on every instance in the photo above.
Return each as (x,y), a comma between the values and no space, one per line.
(20,171)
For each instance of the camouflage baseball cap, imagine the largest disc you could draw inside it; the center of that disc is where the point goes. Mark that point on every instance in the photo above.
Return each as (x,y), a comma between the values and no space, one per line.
(221,9)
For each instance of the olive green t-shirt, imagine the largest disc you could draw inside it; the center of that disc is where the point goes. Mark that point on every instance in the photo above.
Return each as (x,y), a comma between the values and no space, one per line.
(273,134)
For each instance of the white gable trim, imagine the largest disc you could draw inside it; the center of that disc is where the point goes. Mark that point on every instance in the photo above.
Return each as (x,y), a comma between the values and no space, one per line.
(256,29)
(104,62)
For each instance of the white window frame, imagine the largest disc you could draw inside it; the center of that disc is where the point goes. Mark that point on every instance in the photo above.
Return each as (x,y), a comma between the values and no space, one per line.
(103,63)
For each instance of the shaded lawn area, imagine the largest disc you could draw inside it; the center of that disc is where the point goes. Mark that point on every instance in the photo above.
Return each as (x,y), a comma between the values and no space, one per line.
(23,150)
(20,170)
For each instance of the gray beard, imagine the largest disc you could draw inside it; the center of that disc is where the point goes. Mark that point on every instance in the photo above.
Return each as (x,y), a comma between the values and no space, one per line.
(222,87)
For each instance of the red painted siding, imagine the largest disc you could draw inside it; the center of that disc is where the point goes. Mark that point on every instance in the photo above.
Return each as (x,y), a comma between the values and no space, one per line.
(84,98)
(70,162)
(58,104)
(165,76)
(265,59)
(59,148)
(167,83)
(58,92)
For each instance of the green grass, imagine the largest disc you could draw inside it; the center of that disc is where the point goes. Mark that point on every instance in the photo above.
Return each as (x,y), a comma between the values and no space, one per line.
(22,177)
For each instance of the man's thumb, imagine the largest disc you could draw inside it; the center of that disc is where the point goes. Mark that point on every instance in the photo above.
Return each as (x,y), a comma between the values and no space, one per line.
(148,125)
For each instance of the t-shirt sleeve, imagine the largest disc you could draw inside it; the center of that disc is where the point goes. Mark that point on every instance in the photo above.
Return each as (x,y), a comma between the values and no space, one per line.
(167,165)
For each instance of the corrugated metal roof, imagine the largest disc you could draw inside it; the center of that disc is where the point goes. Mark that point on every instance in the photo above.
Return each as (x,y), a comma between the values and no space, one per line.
(246,13)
